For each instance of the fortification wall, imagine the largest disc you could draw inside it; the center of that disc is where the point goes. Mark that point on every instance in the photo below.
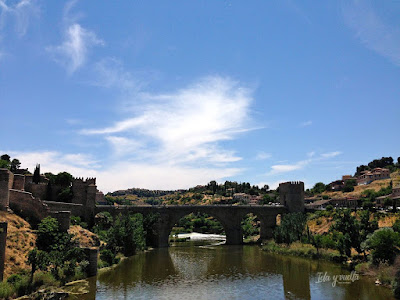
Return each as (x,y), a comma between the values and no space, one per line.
(6,179)
(38,190)
(75,209)
(28,206)
(291,195)
(19,182)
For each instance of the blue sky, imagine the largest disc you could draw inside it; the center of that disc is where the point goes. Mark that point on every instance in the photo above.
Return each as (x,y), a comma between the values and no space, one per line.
(167,95)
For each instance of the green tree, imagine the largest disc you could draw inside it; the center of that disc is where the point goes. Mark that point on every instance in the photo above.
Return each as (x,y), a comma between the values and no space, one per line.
(39,260)
(383,244)
(319,188)
(349,185)
(291,228)
(36,174)
(317,241)
(5,157)
(348,228)
(15,164)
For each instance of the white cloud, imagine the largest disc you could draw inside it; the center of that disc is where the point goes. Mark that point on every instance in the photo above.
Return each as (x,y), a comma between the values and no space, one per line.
(276,169)
(187,125)
(372,30)
(80,165)
(263,155)
(121,175)
(72,53)
(306,123)
(21,11)
(331,154)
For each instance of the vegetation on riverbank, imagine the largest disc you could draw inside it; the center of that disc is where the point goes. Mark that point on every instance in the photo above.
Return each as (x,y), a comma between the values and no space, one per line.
(352,238)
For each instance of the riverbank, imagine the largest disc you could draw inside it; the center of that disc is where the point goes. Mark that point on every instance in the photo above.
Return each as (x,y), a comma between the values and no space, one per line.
(383,274)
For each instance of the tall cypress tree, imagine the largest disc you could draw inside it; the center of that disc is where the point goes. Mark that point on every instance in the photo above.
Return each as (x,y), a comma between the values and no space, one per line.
(36,174)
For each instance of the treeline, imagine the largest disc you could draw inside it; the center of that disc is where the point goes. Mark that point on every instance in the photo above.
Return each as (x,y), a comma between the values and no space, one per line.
(141,192)
(384,162)
(229,187)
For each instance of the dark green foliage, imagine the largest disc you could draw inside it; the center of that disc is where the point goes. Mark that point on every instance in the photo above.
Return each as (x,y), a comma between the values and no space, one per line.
(318,188)
(348,229)
(36,174)
(126,235)
(367,226)
(55,250)
(396,226)
(5,157)
(329,207)
(202,223)
(77,221)
(107,256)
(65,195)
(384,162)
(250,226)
(291,228)
(15,164)
(349,185)
(64,179)
(383,244)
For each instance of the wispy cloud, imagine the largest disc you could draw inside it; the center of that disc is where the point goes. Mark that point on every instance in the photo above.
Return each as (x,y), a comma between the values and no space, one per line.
(21,11)
(122,174)
(73,51)
(312,158)
(263,155)
(372,30)
(306,123)
(284,168)
(187,125)
(331,154)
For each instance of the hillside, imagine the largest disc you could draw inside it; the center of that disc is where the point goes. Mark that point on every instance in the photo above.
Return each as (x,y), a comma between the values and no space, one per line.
(21,238)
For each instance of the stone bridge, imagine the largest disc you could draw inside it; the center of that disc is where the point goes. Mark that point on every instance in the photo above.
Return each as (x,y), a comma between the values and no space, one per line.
(230,216)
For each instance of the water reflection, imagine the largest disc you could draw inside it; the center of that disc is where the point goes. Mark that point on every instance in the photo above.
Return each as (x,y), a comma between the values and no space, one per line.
(188,271)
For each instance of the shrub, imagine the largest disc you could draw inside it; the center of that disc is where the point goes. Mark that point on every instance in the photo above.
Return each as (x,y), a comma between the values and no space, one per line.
(107,256)
(383,244)
(6,290)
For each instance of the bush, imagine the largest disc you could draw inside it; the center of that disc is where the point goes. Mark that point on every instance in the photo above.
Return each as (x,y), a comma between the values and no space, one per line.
(108,257)
(6,290)
(383,244)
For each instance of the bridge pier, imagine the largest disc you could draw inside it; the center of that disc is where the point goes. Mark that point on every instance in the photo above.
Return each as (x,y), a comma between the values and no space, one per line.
(234,233)
(267,225)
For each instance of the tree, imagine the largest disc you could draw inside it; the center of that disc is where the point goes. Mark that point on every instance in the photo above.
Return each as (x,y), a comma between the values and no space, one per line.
(5,157)
(317,241)
(319,187)
(64,179)
(36,174)
(349,185)
(15,164)
(348,228)
(383,244)
(39,260)
(291,228)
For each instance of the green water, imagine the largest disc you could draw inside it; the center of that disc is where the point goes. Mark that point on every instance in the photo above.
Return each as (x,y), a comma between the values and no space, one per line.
(192,271)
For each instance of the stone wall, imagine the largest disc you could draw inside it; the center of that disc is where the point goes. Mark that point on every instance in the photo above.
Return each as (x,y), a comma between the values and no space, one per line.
(291,195)
(19,182)
(75,209)
(63,218)
(28,206)
(38,190)
(4,188)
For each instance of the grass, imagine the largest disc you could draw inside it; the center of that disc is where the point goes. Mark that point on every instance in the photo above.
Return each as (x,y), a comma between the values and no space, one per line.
(302,250)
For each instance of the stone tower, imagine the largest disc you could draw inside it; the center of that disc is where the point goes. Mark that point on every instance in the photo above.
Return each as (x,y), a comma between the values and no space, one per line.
(6,182)
(291,195)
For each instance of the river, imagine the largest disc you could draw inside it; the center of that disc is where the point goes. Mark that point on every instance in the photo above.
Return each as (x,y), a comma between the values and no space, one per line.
(201,270)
